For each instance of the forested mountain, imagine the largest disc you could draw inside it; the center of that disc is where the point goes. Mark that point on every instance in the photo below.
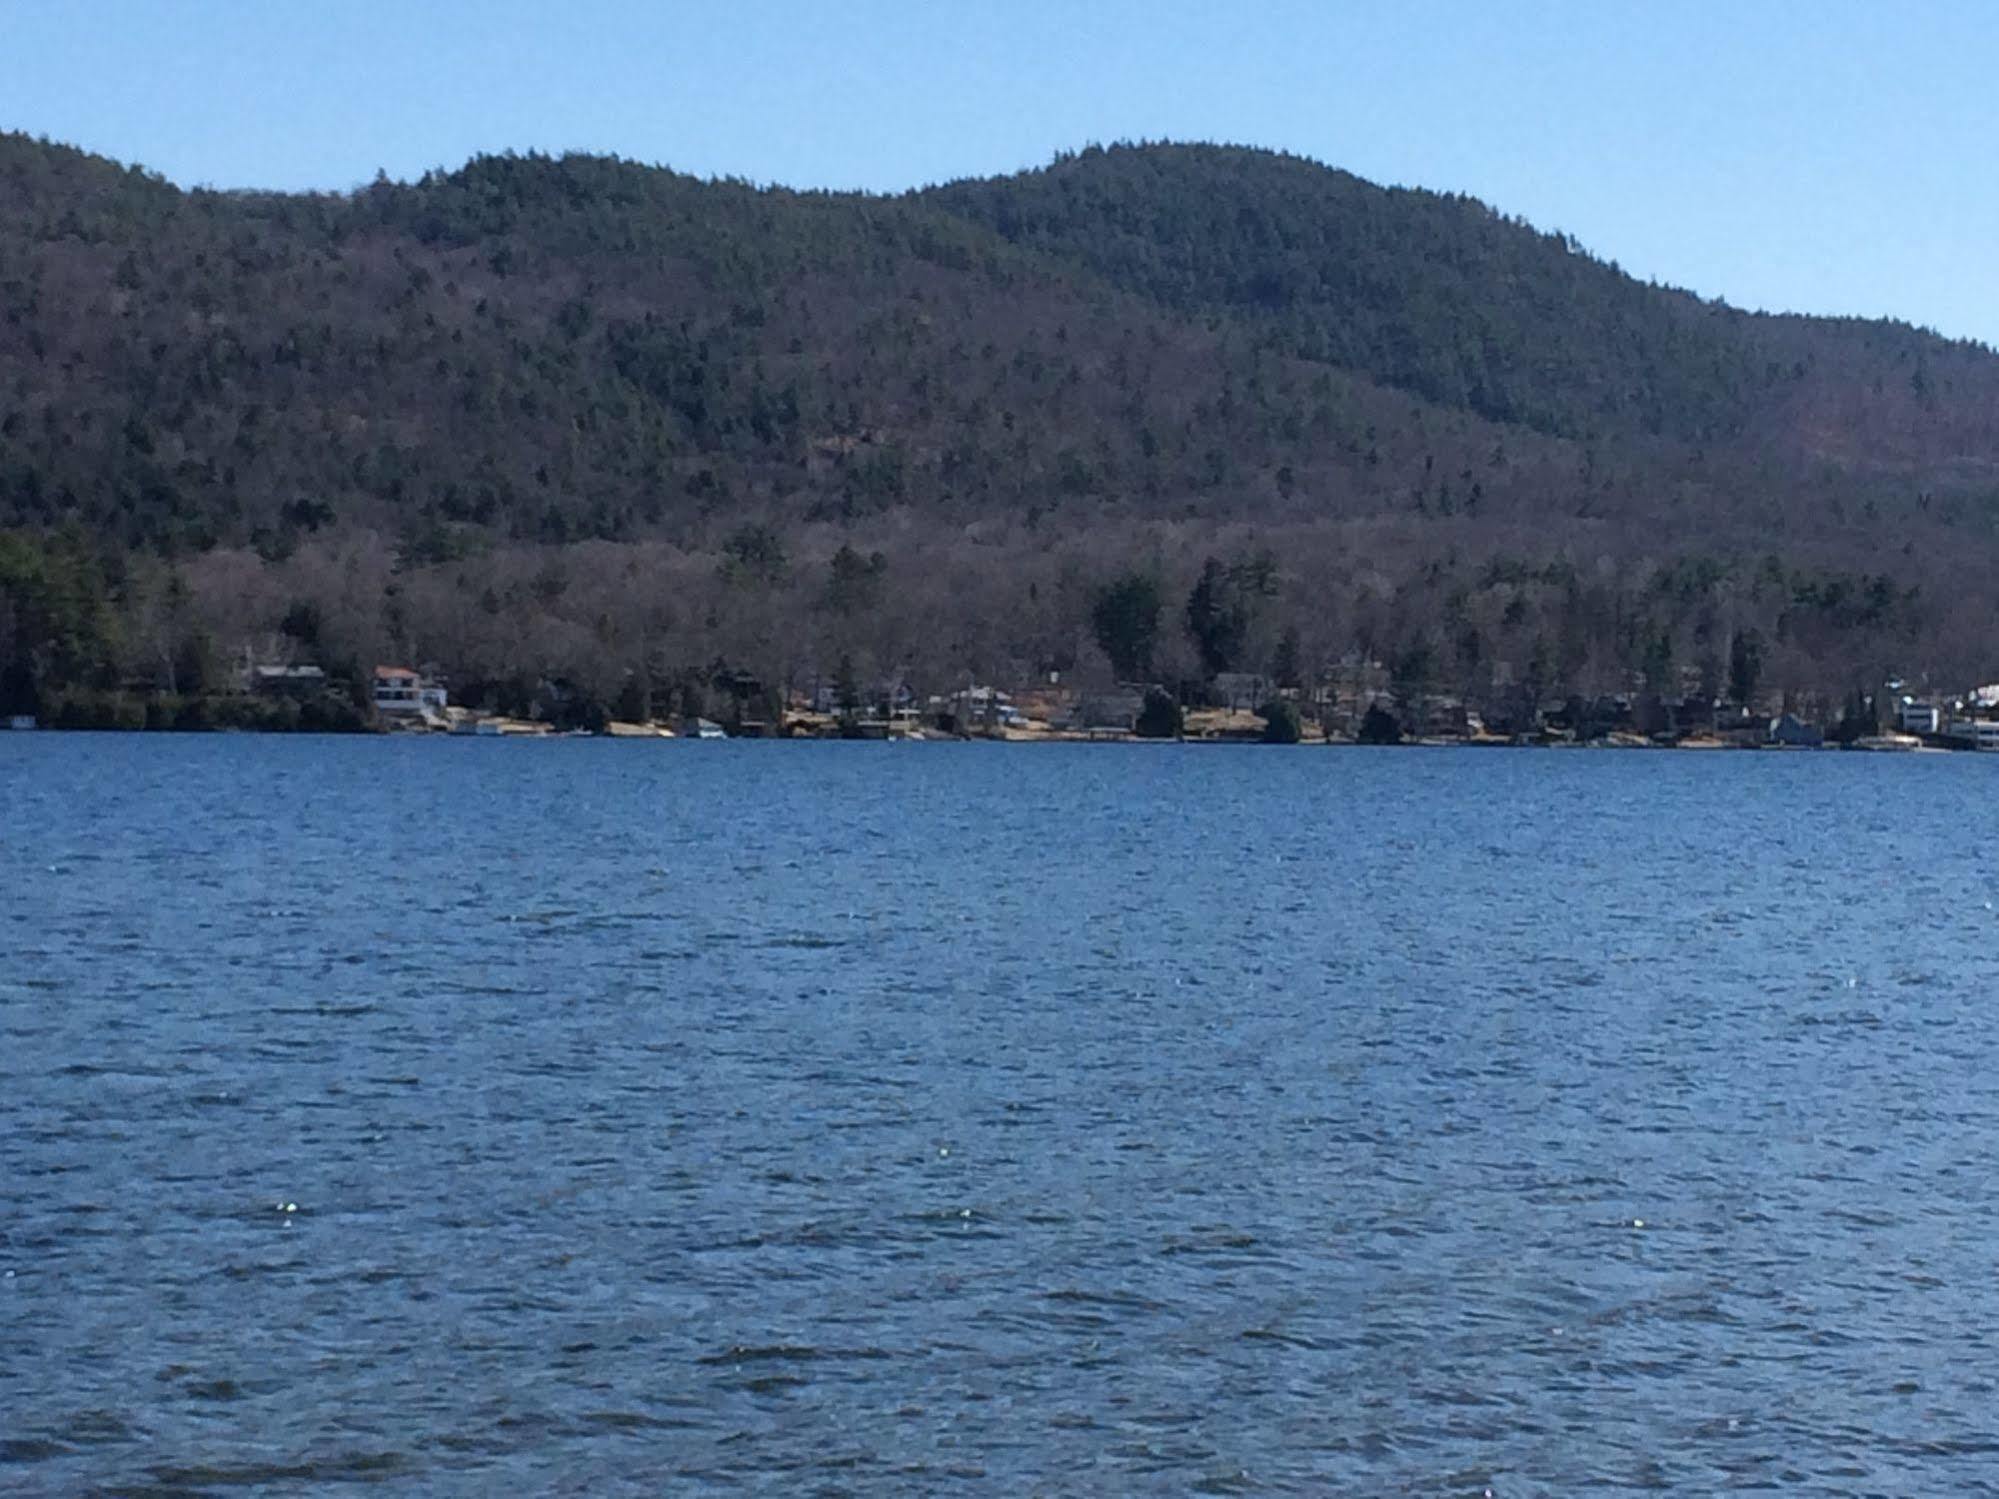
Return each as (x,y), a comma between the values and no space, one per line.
(1444,297)
(576,417)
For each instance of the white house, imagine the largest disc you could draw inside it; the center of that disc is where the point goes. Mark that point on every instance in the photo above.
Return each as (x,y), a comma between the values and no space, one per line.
(886,697)
(1920,718)
(1979,733)
(400,691)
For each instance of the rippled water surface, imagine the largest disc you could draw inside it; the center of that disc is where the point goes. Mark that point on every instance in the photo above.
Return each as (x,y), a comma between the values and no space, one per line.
(883,1118)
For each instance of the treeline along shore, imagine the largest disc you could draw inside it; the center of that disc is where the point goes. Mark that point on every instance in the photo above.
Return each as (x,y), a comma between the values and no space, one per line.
(91,647)
(582,441)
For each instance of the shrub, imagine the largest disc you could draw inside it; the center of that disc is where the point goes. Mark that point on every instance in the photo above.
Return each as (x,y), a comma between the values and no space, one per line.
(1281,724)
(1160,718)
(262,715)
(83,709)
(1380,727)
(331,713)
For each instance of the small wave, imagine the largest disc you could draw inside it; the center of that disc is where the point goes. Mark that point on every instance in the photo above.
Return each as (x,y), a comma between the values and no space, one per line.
(636,1421)
(95,1428)
(348,1468)
(1283,1339)
(756,1353)
(1122,1301)
(32,1449)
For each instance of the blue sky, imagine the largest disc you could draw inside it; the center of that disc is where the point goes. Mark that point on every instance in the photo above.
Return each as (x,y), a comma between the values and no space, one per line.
(1825,156)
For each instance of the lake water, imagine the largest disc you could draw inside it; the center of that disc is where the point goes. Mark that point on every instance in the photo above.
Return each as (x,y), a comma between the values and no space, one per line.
(891,1118)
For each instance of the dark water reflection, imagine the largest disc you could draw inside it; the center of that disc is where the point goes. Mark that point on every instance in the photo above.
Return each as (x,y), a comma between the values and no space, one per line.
(886,1118)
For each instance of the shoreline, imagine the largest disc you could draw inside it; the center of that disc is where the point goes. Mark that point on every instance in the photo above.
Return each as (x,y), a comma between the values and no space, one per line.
(526,732)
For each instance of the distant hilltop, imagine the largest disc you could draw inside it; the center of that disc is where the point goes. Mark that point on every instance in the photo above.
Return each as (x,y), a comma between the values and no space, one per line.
(581,418)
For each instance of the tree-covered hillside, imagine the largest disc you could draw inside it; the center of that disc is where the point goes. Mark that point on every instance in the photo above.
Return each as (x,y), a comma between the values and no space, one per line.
(1446,297)
(1438,295)
(578,417)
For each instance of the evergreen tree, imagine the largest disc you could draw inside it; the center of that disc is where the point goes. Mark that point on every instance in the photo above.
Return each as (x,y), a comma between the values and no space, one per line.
(1285,667)
(1125,618)
(1745,666)
(1216,620)
(846,687)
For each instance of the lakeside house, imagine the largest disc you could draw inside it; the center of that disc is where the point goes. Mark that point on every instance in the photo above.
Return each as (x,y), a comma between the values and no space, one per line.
(973,709)
(286,681)
(1792,732)
(1919,718)
(1050,705)
(1107,715)
(1443,717)
(1974,733)
(1242,691)
(886,699)
(404,694)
